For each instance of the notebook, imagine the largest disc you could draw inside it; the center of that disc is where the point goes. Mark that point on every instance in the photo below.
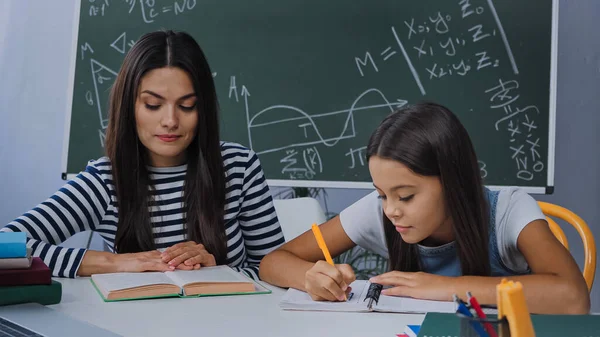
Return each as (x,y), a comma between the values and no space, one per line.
(449,325)
(360,297)
(17,262)
(37,273)
(45,294)
(13,245)
(207,281)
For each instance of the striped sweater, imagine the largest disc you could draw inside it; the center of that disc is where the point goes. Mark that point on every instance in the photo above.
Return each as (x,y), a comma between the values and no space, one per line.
(88,202)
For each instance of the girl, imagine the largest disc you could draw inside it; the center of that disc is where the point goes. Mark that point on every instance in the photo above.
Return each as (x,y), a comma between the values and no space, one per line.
(444,233)
(168,195)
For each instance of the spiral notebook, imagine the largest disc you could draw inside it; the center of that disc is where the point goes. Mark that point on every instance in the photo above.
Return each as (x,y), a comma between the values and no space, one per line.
(364,297)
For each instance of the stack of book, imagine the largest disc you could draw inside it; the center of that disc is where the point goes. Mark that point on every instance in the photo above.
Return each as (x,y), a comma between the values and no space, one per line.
(24,278)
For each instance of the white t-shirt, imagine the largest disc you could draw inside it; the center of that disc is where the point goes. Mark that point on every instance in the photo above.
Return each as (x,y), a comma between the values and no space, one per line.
(515,209)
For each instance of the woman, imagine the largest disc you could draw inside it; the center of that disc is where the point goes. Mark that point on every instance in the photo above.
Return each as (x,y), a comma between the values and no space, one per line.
(443,232)
(168,195)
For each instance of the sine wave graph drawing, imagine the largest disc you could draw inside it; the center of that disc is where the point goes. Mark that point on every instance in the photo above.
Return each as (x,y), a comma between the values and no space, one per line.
(303,129)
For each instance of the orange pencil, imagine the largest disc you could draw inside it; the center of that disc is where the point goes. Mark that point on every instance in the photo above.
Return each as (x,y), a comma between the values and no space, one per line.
(321,242)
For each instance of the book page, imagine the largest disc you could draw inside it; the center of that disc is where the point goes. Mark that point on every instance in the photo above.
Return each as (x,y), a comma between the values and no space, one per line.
(295,299)
(217,274)
(412,305)
(120,281)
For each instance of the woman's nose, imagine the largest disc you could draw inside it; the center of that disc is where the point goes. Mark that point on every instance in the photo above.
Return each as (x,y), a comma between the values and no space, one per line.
(170,120)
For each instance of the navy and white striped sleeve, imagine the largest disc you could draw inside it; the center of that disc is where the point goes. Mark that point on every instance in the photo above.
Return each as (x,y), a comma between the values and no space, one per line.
(257,217)
(78,206)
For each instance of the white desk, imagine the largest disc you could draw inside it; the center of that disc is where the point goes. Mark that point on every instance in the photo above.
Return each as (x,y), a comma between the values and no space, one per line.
(239,316)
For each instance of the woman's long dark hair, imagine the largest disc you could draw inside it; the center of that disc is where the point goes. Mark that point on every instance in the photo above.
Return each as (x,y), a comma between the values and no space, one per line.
(204,186)
(430,140)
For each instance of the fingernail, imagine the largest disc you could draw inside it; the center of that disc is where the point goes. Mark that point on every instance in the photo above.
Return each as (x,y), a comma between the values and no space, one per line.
(345,287)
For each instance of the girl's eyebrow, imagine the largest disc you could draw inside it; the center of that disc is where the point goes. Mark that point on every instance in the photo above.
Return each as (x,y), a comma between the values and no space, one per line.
(396,187)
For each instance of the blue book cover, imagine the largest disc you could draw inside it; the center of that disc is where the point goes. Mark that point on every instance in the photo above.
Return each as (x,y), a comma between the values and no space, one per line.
(13,245)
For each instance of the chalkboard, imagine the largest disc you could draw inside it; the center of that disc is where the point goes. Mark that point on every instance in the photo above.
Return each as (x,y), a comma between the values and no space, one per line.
(304,82)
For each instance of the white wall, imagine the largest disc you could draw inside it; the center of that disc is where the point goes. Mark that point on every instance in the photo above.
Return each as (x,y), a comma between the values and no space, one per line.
(35,46)
(4,11)
(577,185)
(36,40)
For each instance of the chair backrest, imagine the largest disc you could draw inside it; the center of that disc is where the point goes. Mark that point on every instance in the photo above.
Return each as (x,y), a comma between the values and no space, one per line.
(297,215)
(589,245)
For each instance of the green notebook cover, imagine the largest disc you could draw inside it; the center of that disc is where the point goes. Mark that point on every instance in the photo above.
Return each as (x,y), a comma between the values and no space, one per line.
(42,294)
(449,325)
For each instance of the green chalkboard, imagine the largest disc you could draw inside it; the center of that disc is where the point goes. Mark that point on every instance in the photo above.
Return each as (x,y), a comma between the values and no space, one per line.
(304,83)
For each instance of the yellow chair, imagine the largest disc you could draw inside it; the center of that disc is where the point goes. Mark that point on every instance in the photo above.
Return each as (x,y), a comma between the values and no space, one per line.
(589,245)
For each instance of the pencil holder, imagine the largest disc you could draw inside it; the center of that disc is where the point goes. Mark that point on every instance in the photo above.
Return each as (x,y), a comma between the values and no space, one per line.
(472,326)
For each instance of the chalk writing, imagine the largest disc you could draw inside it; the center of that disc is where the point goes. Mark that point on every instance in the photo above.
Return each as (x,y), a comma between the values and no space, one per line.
(359,153)
(520,125)
(150,11)
(307,168)
(86,47)
(98,9)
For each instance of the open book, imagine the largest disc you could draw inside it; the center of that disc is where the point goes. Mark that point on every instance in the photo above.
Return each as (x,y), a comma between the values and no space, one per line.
(359,299)
(206,281)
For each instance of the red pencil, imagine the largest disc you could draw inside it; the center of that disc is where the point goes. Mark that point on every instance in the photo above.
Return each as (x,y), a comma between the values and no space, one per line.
(475,305)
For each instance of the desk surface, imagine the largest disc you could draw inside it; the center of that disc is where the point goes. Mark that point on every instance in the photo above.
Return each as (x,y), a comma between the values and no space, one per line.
(240,316)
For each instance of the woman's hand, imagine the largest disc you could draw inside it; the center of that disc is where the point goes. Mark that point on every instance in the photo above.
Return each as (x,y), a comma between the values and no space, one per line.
(188,256)
(140,262)
(417,285)
(324,282)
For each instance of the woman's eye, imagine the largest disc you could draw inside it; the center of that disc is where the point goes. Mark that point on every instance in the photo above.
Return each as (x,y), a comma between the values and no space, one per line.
(187,108)
(152,107)
(382,197)
(407,198)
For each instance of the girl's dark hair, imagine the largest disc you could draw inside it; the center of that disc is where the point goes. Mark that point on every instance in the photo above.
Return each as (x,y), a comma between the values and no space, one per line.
(430,140)
(204,186)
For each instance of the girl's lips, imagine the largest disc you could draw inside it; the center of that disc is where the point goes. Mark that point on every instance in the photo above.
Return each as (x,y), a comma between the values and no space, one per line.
(403,230)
